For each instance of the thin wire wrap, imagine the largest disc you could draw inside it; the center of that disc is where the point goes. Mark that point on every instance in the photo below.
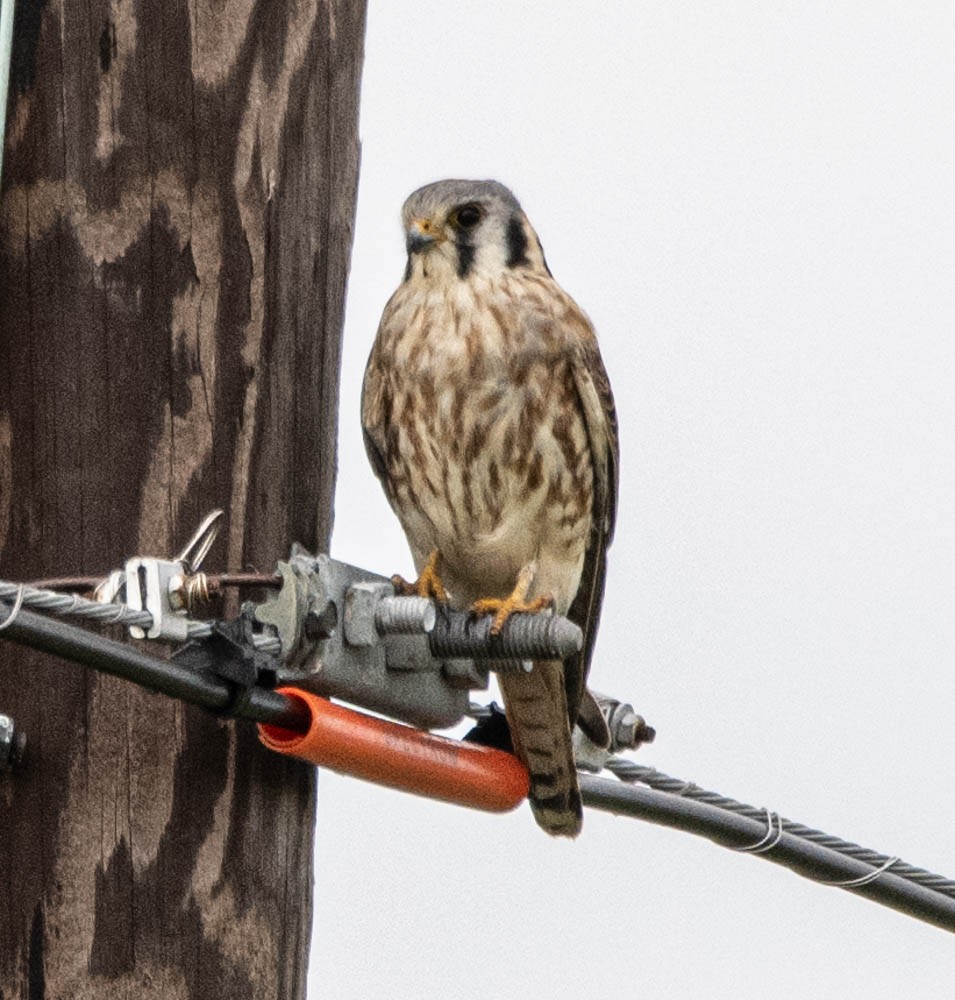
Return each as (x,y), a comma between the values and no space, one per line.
(14,610)
(772,836)
(629,771)
(732,829)
(851,883)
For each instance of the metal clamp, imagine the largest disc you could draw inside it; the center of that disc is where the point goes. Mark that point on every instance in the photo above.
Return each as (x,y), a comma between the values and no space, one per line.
(342,632)
(165,588)
(150,586)
(345,634)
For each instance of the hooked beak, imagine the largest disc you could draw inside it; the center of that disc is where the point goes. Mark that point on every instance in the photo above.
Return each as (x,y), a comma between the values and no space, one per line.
(421,235)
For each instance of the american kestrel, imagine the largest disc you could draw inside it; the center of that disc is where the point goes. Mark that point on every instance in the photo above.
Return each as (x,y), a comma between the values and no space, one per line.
(488,418)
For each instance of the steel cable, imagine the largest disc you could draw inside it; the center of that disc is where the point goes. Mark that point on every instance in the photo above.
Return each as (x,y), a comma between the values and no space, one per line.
(74,606)
(629,771)
(666,800)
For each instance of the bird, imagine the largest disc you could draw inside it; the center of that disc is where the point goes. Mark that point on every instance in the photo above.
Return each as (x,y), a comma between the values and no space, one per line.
(488,417)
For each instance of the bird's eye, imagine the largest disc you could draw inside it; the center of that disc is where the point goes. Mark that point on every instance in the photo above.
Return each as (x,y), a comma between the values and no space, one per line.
(468,216)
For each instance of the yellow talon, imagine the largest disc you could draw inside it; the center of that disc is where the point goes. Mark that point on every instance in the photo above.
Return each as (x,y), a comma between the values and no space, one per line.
(516,601)
(428,583)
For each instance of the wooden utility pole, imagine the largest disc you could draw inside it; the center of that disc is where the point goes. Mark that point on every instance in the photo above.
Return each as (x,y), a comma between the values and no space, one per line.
(175,224)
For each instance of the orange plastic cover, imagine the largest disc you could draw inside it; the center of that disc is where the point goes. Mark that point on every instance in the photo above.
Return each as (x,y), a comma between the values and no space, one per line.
(398,756)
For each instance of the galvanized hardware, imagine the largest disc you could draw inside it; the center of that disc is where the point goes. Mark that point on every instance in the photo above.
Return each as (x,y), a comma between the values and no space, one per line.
(361,606)
(628,731)
(165,588)
(152,585)
(107,591)
(344,634)
(404,615)
(192,587)
(320,625)
(300,612)
(534,637)
(13,744)
(373,612)
(334,629)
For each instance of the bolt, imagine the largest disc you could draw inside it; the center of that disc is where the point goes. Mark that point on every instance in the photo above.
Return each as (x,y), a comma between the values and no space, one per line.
(404,615)
(525,636)
(629,730)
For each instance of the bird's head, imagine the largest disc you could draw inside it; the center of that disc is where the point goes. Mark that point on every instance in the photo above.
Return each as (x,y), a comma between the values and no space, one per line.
(454,229)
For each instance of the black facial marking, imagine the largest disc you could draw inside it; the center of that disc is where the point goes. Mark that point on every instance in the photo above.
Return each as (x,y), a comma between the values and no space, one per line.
(465,255)
(407,269)
(516,243)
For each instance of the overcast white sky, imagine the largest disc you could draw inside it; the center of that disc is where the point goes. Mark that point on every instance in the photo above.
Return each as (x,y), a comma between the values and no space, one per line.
(754,203)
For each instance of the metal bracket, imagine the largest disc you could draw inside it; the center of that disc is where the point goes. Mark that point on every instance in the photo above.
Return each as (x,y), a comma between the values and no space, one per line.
(331,628)
(163,587)
(346,635)
(342,632)
(150,586)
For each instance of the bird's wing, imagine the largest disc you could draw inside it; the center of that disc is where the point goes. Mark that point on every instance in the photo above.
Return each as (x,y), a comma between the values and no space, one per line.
(596,402)
(543,705)
(374,411)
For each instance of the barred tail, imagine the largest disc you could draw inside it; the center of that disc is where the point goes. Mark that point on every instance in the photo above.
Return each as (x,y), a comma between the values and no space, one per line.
(536,706)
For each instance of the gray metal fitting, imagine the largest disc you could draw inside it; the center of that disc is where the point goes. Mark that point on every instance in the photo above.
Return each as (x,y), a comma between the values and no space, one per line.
(405,615)
(627,729)
(524,637)
(361,602)
(13,744)
(154,585)
(372,612)
(302,612)
(362,644)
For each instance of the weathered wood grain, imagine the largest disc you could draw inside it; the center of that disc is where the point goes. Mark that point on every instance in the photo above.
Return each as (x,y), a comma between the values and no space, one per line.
(175,223)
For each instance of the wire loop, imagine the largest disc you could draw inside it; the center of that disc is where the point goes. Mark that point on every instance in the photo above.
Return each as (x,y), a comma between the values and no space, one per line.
(17,605)
(853,883)
(772,836)
(121,611)
(196,548)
